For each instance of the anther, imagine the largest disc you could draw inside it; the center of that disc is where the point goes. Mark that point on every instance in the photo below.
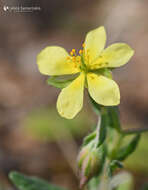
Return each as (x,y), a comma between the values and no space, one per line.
(71,53)
(83,45)
(73,50)
(80,52)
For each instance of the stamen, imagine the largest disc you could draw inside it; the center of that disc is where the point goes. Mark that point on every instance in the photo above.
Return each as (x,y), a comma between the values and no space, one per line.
(74,58)
(71,53)
(80,51)
(83,45)
(87,56)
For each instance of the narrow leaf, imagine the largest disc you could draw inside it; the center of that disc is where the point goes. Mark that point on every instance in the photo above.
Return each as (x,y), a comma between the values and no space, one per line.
(114,118)
(102,130)
(23,182)
(89,138)
(127,150)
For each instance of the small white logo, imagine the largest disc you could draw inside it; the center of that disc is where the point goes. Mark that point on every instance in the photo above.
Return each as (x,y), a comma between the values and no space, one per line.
(5,8)
(21,8)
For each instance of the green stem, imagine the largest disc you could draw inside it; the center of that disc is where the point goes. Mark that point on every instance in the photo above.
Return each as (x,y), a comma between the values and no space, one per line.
(98,130)
(117,143)
(105,179)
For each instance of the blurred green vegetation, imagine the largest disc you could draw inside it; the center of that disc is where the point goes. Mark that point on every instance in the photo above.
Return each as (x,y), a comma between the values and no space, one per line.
(45,124)
(138,161)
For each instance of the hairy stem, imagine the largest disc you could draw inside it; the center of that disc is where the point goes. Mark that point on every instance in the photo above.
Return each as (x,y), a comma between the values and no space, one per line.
(105,179)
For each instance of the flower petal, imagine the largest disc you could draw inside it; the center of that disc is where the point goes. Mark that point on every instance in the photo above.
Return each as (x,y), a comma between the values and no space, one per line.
(95,42)
(53,61)
(115,55)
(70,100)
(103,90)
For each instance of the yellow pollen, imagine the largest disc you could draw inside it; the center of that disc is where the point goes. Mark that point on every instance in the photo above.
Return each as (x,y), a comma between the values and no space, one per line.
(87,56)
(81,51)
(73,50)
(83,45)
(71,53)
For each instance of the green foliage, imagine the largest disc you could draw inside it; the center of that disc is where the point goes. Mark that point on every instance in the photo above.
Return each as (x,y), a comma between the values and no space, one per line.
(120,143)
(104,71)
(59,83)
(113,114)
(102,123)
(125,151)
(23,182)
(108,143)
(89,138)
(101,130)
(138,161)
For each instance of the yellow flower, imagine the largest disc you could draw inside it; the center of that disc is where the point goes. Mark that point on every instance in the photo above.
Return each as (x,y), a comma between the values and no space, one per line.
(54,61)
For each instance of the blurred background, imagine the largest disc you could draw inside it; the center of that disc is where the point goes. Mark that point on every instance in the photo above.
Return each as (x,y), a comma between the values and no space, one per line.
(34,139)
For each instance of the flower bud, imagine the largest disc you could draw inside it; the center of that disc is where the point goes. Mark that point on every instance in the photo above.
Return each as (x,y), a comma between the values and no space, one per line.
(89,163)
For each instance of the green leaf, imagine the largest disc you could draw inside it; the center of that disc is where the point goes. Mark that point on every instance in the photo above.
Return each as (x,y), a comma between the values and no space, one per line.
(59,83)
(124,152)
(89,138)
(102,129)
(137,162)
(104,71)
(23,182)
(114,118)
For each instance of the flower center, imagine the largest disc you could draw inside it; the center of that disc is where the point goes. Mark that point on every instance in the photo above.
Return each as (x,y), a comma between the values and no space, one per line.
(81,60)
